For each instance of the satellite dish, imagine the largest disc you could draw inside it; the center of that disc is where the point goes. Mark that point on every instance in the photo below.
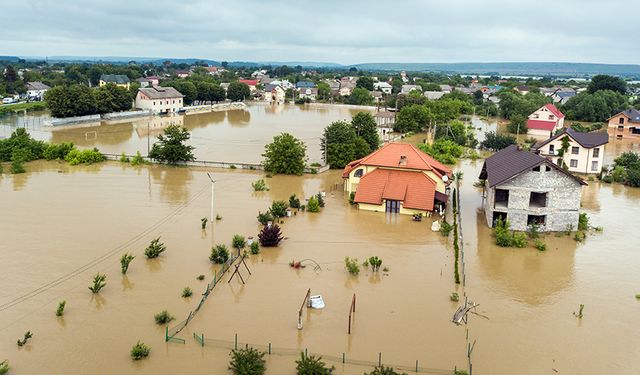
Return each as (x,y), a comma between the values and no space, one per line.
(445,178)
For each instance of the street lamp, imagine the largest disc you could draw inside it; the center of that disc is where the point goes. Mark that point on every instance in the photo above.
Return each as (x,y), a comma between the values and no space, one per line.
(212,192)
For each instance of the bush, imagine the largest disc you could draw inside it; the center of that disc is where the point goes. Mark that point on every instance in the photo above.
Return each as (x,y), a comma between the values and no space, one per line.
(294,202)
(124,262)
(382,370)
(200,277)
(270,236)
(75,156)
(187,292)
(259,185)
(57,151)
(247,361)
(583,222)
(506,238)
(279,208)
(519,239)
(238,242)
(171,147)
(99,282)
(313,205)
(496,142)
(455,297)
(219,254)
(320,199)
(138,159)
(163,317)
(311,365)
(27,336)
(352,197)
(17,167)
(265,218)
(60,309)
(139,351)
(351,264)
(541,246)
(443,150)
(4,367)
(445,228)
(534,231)
(155,248)
(255,247)
(579,236)
(375,263)
(123,158)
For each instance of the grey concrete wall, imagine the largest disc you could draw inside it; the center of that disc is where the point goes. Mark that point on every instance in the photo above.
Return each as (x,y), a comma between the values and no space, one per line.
(563,200)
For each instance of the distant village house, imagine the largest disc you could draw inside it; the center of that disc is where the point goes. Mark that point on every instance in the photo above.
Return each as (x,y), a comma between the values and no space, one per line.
(36,90)
(120,80)
(159,100)
(544,122)
(625,125)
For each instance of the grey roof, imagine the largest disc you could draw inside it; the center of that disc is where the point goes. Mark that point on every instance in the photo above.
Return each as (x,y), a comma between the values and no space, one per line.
(160,92)
(37,86)
(119,79)
(633,114)
(511,161)
(587,140)
(305,84)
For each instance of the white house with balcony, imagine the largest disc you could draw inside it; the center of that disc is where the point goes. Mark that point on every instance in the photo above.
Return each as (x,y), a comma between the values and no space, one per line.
(585,152)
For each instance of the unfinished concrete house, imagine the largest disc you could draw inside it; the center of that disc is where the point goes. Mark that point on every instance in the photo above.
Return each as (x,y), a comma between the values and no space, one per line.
(526,189)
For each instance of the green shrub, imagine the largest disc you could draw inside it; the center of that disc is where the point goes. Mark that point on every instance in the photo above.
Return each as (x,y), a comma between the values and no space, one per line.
(200,277)
(270,236)
(232,167)
(375,263)
(454,297)
(265,218)
(583,222)
(579,236)
(313,205)
(163,317)
(311,365)
(294,202)
(218,217)
(138,159)
(139,351)
(506,238)
(187,292)
(219,254)
(519,239)
(155,248)
(382,370)
(445,228)
(60,309)
(99,282)
(247,361)
(460,372)
(238,242)
(203,222)
(541,246)
(255,247)
(124,262)
(57,151)
(279,208)
(124,158)
(533,231)
(4,367)
(17,167)
(351,264)
(320,200)
(75,156)
(259,185)
(352,197)
(28,335)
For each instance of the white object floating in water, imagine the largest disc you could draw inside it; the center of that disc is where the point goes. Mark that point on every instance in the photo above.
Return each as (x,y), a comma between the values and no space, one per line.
(316,302)
(435,227)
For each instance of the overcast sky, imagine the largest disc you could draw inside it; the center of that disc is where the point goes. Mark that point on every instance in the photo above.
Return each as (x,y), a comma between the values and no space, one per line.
(341,31)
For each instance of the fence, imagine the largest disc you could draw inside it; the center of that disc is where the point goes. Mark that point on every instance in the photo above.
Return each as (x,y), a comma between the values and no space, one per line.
(341,358)
(170,333)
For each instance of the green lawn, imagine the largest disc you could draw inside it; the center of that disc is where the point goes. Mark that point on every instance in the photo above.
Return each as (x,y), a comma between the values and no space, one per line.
(18,107)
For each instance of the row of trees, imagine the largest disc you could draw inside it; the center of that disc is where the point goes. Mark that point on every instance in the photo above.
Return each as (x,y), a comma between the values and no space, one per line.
(344,142)
(417,117)
(80,100)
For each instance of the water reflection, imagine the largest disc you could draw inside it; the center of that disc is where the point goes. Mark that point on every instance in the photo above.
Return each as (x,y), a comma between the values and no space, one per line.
(155,125)
(239,117)
(173,183)
(93,135)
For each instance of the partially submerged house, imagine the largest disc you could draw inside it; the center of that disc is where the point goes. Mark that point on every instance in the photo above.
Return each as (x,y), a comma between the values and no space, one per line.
(397,178)
(159,100)
(584,153)
(526,189)
(625,125)
(544,122)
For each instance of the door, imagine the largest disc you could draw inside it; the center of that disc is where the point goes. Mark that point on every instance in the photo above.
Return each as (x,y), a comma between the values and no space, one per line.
(392,206)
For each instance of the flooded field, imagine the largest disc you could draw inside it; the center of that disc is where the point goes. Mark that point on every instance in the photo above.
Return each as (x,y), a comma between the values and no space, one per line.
(61,225)
(232,136)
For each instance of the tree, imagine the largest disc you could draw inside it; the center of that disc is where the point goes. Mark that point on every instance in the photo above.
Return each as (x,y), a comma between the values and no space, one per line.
(209,92)
(412,118)
(186,88)
(365,126)
(324,90)
(112,98)
(605,82)
(311,365)
(68,101)
(286,154)
(365,83)
(598,106)
(340,144)
(248,361)
(238,91)
(171,147)
(359,96)
(496,142)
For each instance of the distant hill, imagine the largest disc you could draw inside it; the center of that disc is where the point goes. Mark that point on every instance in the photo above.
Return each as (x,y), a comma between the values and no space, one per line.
(9,58)
(558,69)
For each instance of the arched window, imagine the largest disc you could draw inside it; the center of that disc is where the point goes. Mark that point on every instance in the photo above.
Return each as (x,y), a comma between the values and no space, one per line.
(358,173)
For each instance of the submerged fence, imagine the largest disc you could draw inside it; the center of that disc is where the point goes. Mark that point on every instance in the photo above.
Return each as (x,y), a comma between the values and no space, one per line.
(170,333)
(341,358)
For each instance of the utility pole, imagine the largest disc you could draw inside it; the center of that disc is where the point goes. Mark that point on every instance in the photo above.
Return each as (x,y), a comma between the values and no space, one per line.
(212,192)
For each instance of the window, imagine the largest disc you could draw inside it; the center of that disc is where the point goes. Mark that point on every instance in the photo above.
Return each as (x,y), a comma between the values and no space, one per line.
(552,149)
(552,117)
(535,115)
(594,165)
(621,120)
(154,103)
(536,219)
(501,198)
(575,150)
(537,200)
(596,152)
(358,173)
(573,163)
(547,168)
(536,169)
(635,131)
(620,128)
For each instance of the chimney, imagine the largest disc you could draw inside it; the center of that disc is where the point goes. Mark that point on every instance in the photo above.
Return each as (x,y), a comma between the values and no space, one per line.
(403,160)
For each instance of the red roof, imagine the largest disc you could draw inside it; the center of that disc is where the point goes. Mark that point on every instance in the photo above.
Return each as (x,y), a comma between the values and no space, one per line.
(554,110)
(540,124)
(390,155)
(415,189)
(212,69)
(250,82)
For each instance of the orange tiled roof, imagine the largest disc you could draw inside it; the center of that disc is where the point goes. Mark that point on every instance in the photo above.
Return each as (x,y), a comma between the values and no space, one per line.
(415,189)
(389,156)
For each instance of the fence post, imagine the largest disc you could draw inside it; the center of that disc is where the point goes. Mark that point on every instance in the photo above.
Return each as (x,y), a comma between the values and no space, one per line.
(235,342)
(166,333)
(379,359)
(269,348)
(306,353)
(203,340)
(416,365)
(343,357)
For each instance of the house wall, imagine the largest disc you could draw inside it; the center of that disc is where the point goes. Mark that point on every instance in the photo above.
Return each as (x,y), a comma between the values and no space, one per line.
(539,134)
(164,105)
(382,208)
(351,184)
(125,85)
(584,158)
(563,200)
(614,129)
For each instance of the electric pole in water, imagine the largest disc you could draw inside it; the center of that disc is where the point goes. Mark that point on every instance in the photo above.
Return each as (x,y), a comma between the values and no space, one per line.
(212,191)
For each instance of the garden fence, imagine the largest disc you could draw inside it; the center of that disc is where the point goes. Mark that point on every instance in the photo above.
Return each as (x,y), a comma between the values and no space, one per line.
(269,349)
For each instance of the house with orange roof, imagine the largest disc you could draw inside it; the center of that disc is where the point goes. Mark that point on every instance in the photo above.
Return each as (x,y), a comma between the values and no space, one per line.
(544,122)
(397,178)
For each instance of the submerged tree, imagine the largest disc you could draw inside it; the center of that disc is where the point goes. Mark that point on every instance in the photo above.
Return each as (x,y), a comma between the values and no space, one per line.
(248,361)
(124,262)
(270,236)
(155,248)
(286,154)
(171,147)
(311,365)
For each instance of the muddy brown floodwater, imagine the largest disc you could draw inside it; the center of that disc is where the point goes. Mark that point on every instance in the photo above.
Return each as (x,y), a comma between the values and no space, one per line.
(61,224)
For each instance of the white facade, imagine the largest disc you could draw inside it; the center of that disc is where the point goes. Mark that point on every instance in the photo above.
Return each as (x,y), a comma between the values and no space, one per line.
(159,100)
